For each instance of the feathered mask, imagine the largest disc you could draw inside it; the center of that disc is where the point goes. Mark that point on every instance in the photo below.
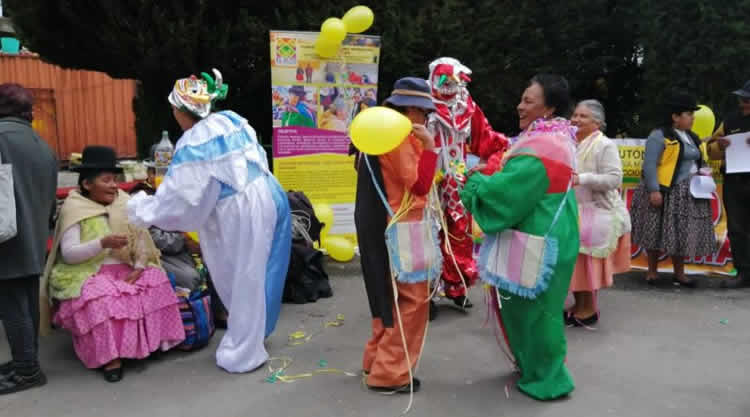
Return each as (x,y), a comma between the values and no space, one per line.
(197,96)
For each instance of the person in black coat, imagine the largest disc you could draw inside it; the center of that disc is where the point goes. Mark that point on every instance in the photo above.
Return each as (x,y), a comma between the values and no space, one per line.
(22,257)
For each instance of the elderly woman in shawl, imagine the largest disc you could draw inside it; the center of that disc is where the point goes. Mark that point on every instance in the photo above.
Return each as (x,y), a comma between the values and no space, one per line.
(603,217)
(104,272)
(219,184)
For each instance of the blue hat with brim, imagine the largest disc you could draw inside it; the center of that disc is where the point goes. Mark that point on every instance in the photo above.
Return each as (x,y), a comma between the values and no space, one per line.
(411,92)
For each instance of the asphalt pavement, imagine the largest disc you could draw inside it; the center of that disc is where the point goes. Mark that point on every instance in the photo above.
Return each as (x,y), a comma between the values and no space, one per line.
(657,351)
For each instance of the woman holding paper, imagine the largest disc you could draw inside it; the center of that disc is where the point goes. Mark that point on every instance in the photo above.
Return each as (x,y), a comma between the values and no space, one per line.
(666,216)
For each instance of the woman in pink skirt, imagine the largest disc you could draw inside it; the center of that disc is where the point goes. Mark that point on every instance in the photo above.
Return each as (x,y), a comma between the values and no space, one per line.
(104,275)
(603,218)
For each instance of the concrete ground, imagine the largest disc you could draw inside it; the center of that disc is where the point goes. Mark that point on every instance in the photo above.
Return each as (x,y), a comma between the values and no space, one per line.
(656,352)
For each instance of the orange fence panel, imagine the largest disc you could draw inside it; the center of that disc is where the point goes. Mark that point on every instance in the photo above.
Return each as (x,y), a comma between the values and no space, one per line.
(75,108)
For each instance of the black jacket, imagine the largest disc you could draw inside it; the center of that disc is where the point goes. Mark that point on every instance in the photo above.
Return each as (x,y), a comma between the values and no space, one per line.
(35,185)
(371,219)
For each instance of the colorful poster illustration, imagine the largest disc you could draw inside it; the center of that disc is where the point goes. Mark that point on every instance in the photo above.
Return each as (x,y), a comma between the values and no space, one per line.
(314,100)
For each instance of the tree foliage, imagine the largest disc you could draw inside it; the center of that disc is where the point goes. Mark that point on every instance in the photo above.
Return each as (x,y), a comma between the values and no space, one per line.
(619,52)
(699,46)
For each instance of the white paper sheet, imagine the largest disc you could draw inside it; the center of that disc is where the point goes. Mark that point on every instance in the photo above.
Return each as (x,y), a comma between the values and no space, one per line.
(702,186)
(738,153)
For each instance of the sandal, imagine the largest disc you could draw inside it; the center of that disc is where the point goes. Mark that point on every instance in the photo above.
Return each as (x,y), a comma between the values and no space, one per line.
(113,375)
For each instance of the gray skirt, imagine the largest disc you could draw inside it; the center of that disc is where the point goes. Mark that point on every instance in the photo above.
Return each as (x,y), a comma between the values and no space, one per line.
(682,226)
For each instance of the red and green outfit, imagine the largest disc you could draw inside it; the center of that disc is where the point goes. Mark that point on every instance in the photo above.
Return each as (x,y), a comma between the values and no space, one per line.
(525,195)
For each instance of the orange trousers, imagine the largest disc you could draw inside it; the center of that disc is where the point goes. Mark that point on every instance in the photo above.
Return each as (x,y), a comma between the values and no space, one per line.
(384,357)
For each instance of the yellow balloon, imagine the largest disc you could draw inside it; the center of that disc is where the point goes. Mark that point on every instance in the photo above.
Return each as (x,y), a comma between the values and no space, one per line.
(379,130)
(704,123)
(333,30)
(358,19)
(339,249)
(324,213)
(326,48)
(193,236)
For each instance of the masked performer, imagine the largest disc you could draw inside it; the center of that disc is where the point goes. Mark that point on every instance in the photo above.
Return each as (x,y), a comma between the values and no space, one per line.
(219,184)
(460,129)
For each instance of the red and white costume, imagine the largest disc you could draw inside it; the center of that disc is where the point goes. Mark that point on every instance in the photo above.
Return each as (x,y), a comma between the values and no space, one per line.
(460,128)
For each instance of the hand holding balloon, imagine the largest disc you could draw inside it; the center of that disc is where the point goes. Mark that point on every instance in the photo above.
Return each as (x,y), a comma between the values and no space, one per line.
(424,136)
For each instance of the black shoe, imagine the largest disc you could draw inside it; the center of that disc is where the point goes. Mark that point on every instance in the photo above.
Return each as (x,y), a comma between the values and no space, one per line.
(113,375)
(220,324)
(6,369)
(403,389)
(568,319)
(586,322)
(687,283)
(462,302)
(433,310)
(16,382)
(736,282)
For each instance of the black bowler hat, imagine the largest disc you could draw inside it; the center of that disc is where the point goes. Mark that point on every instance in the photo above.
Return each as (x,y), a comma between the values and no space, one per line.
(743,92)
(98,158)
(298,90)
(679,101)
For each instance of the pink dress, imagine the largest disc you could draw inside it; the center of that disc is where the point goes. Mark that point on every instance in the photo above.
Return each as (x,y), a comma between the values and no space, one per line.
(592,274)
(112,319)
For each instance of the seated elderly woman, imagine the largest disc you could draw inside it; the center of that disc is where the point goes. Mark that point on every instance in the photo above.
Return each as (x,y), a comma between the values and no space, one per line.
(105,277)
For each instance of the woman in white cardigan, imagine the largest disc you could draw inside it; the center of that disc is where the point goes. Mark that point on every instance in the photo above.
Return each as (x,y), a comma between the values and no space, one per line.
(603,218)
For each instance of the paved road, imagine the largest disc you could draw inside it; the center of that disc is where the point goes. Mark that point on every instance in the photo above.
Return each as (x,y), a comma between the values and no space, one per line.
(657,352)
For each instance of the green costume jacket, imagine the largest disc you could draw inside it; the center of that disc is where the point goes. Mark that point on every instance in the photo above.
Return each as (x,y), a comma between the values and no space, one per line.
(525,196)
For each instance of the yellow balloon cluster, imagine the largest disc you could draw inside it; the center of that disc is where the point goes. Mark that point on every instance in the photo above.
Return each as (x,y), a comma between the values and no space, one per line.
(333,31)
(339,248)
(379,130)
